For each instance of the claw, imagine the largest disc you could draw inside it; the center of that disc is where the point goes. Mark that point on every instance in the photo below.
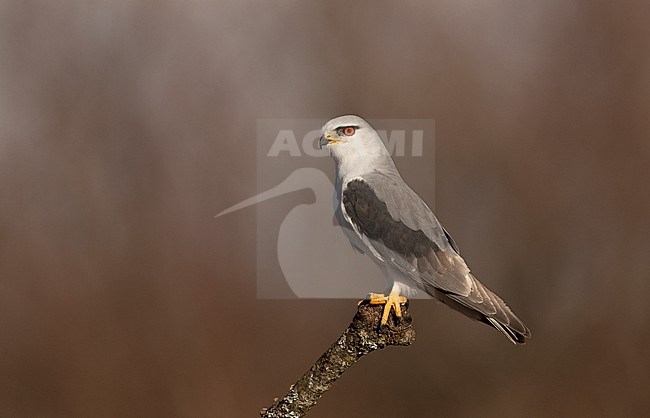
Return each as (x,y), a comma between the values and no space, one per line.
(392,301)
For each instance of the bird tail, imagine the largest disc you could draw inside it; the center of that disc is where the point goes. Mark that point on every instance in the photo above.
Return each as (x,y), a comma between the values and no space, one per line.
(514,336)
(485,306)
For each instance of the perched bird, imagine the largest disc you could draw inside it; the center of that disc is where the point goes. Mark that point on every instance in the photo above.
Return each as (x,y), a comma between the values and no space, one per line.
(383,218)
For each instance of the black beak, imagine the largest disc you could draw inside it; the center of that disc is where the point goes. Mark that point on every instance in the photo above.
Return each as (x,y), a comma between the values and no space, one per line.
(323,141)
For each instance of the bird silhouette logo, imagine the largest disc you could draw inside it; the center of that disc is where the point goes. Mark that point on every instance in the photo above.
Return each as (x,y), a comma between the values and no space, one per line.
(313,255)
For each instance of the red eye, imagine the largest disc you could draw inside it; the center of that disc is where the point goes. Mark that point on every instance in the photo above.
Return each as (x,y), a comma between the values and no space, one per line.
(349,131)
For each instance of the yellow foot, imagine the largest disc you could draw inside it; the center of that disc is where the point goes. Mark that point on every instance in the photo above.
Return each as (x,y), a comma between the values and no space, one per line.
(392,301)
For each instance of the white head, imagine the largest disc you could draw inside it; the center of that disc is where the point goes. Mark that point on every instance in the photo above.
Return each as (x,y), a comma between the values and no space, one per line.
(355,146)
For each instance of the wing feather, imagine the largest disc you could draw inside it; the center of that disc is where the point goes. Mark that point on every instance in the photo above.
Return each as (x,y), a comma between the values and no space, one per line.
(400,229)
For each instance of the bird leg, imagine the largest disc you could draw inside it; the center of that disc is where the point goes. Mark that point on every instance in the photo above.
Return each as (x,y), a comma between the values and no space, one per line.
(392,301)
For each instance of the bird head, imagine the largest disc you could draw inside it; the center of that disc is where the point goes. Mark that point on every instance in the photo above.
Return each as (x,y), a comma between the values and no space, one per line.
(352,142)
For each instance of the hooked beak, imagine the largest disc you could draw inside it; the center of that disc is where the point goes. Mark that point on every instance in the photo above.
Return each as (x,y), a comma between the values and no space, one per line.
(326,139)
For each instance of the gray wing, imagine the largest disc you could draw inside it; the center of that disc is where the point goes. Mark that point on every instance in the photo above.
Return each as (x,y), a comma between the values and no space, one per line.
(404,231)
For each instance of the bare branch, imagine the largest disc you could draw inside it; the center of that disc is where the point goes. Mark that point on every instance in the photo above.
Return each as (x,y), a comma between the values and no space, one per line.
(363,336)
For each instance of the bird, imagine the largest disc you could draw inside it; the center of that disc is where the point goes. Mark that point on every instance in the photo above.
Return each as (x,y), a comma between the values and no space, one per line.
(385,219)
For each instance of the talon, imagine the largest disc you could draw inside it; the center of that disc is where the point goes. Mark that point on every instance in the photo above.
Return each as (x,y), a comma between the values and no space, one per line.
(392,301)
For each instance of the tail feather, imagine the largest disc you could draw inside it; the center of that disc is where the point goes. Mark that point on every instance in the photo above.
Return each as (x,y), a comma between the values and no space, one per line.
(485,306)
(514,337)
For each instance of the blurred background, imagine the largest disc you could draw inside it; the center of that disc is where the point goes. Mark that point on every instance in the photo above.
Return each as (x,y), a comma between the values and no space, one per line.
(126,126)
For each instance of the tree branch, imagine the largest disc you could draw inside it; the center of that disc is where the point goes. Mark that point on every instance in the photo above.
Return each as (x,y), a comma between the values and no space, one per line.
(363,336)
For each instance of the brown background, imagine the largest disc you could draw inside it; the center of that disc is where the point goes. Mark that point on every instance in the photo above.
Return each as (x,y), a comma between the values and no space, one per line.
(125,126)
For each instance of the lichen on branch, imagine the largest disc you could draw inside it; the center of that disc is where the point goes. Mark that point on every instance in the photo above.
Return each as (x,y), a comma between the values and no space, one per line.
(362,336)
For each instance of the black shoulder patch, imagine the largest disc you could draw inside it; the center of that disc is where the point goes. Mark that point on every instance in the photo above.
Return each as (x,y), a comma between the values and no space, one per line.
(371,216)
